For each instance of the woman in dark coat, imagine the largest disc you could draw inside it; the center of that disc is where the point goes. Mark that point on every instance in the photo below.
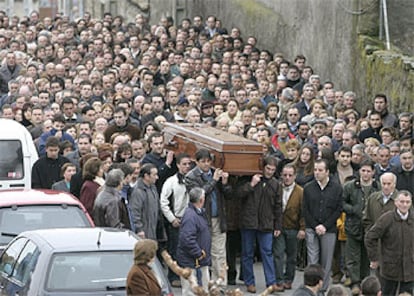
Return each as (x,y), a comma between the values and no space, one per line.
(304,165)
(141,279)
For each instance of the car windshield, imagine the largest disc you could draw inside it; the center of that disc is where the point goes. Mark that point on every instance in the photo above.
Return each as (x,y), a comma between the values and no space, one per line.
(15,220)
(91,271)
(11,160)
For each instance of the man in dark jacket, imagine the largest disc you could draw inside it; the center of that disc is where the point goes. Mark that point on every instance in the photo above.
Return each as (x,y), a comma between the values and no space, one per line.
(322,206)
(375,125)
(394,232)
(312,281)
(216,187)
(261,219)
(106,207)
(356,193)
(405,172)
(121,125)
(308,95)
(47,170)
(163,160)
(194,241)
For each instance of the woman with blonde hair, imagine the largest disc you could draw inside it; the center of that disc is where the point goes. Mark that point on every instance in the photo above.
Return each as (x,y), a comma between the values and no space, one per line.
(371,145)
(351,118)
(141,279)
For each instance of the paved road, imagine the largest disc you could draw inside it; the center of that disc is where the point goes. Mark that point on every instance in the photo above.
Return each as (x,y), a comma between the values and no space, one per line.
(260,283)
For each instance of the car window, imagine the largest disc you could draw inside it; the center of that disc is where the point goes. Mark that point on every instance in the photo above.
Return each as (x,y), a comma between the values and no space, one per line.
(94,271)
(26,263)
(89,271)
(11,160)
(10,256)
(15,220)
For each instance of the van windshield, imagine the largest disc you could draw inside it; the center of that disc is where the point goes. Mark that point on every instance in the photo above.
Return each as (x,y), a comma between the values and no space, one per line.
(11,160)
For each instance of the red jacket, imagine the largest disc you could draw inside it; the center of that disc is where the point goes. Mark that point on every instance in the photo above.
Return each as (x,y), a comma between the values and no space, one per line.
(275,142)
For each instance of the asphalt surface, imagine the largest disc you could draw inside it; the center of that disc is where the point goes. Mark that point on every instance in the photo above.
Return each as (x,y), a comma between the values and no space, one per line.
(260,283)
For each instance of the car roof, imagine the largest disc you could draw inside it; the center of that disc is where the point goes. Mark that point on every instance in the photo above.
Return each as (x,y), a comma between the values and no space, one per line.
(34,197)
(83,239)
(11,129)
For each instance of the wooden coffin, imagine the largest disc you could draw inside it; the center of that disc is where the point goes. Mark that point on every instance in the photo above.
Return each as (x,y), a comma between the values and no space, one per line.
(234,154)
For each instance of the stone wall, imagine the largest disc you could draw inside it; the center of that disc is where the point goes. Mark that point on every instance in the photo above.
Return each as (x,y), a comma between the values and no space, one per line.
(401,24)
(381,71)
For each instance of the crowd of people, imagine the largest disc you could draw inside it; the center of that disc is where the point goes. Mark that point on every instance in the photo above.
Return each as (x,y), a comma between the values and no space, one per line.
(96,93)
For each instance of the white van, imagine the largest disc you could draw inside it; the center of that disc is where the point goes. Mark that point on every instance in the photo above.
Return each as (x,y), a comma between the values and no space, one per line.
(17,155)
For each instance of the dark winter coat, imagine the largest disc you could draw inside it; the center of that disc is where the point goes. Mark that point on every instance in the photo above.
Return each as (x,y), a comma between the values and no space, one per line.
(164,171)
(46,171)
(193,238)
(375,207)
(396,239)
(405,179)
(354,205)
(261,206)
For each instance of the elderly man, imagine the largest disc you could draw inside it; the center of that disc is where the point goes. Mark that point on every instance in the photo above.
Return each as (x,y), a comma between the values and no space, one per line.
(380,202)
(394,232)
(106,207)
(10,70)
(194,242)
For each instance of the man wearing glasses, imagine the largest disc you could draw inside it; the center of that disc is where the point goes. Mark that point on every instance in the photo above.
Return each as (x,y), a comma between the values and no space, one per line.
(293,120)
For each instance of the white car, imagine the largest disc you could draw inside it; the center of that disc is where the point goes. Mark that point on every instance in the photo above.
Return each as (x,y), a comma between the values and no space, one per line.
(71,261)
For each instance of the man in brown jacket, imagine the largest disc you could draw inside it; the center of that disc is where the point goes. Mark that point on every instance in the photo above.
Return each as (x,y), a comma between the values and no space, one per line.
(394,231)
(293,228)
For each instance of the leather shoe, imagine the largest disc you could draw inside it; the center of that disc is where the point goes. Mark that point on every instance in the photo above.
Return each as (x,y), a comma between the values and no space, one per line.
(287,286)
(278,288)
(251,289)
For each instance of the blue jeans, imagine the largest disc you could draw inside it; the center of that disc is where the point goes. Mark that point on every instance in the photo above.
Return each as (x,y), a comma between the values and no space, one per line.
(264,239)
(285,243)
